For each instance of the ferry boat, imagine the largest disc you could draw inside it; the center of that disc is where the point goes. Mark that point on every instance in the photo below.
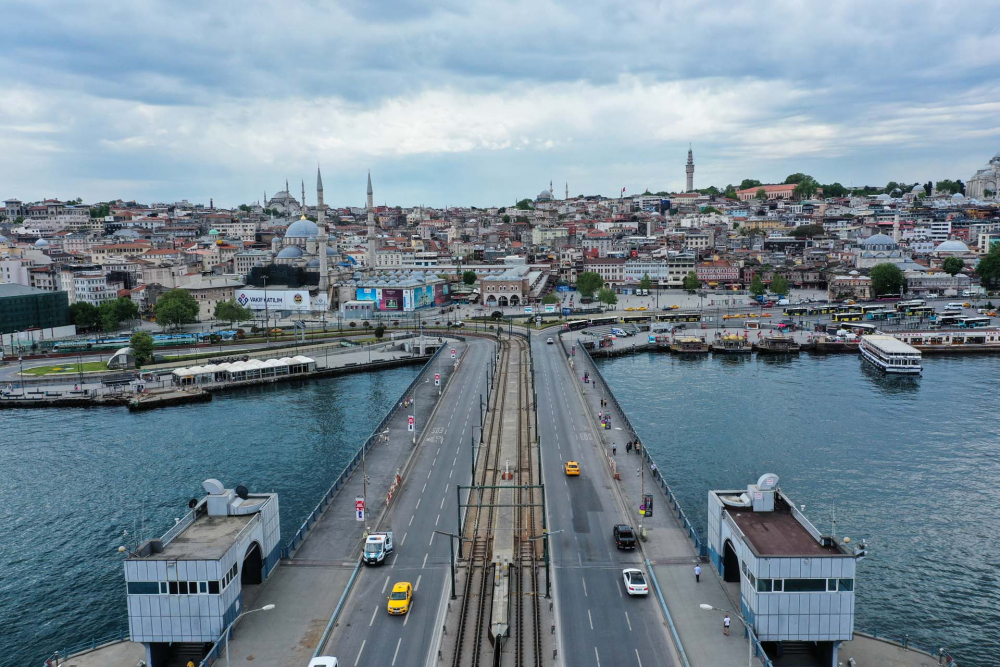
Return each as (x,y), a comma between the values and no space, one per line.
(777,344)
(950,342)
(731,344)
(689,345)
(890,355)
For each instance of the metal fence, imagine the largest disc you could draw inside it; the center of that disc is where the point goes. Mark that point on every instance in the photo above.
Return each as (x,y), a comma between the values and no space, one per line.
(59,657)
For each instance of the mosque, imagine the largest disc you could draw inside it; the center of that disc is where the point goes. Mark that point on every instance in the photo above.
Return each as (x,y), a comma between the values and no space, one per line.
(987,178)
(283,203)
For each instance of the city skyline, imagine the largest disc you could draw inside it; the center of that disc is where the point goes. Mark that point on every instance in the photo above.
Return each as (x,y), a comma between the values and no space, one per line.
(219,104)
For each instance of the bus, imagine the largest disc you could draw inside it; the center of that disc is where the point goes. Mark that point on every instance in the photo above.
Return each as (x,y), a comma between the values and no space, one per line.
(796,311)
(677,316)
(862,329)
(871,307)
(822,310)
(918,311)
(636,319)
(973,322)
(947,320)
(853,316)
(575,325)
(903,306)
(878,314)
(602,321)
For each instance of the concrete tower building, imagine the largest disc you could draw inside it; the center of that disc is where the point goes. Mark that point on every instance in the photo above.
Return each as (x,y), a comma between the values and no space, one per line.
(567,189)
(321,237)
(690,171)
(371,224)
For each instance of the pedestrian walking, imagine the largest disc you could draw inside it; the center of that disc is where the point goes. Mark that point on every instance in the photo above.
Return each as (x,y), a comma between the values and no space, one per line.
(636,446)
(725,625)
(628,447)
(614,450)
(697,574)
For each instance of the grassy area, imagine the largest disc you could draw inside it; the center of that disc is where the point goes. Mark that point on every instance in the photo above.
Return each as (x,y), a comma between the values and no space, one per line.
(68,369)
(236,351)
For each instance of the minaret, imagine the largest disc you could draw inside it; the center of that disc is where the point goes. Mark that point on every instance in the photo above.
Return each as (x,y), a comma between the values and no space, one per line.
(567,190)
(303,196)
(552,192)
(322,237)
(690,171)
(371,225)
(895,227)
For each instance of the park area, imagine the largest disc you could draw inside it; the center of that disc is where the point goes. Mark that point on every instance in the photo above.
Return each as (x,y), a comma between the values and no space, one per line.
(68,369)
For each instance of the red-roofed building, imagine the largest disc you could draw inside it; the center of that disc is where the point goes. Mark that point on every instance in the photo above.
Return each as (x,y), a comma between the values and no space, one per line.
(773,192)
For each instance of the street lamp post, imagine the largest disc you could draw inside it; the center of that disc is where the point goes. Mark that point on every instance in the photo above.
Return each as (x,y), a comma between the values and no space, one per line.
(548,573)
(708,607)
(267,316)
(267,607)
(415,411)
(451,546)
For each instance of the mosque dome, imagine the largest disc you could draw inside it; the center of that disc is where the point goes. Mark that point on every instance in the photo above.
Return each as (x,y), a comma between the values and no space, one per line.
(330,252)
(213,232)
(302,228)
(917,189)
(544,195)
(958,195)
(953,246)
(41,243)
(879,242)
(290,252)
(312,264)
(883,197)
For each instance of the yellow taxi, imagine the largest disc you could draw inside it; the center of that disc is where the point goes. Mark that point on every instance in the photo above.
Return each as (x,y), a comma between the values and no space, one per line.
(630,308)
(400,598)
(674,307)
(765,314)
(277,331)
(752,315)
(572,468)
(642,308)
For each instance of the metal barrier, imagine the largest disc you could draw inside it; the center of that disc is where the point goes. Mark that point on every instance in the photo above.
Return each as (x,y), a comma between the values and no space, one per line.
(58,657)
(692,532)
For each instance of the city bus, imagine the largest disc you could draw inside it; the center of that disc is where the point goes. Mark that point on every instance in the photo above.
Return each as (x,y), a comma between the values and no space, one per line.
(947,320)
(852,316)
(822,310)
(677,316)
(973,322)
(602,321)
(796,311)
(871,307)
(919,311)
(636,319)
(862,329)
(878,314)
(847,308)
(575,325)
(903,306)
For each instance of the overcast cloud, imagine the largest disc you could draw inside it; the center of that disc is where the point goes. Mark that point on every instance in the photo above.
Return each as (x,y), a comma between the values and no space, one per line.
(483,103)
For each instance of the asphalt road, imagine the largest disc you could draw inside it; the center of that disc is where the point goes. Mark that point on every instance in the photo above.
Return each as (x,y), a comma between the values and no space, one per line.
(366,634)
(597,622)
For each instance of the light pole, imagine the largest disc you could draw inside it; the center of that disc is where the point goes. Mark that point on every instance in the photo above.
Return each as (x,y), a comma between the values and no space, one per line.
(451,545)
(267,607)
(708,607)
(472,465)
(548,577)
(415,411)
(267,316)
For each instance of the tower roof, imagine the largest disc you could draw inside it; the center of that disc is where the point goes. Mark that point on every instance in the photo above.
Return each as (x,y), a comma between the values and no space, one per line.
(369,182)
(319,179)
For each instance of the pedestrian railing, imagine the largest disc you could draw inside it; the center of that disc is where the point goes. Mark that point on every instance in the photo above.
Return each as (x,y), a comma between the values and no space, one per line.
(59,657)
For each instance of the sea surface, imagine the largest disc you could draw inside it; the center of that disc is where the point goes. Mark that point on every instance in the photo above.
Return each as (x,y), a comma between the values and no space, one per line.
(910,464)
(72,480)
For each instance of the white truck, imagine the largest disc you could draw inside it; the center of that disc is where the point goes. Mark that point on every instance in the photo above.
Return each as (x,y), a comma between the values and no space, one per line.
(377,547)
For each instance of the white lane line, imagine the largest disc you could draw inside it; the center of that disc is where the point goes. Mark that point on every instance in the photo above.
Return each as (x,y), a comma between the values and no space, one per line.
(637,657)
(416,586)
(618,585)
(429,474)
(431,540)
(451,472)
(455,461)
(408,614)
(442,502)
(628,621)
(411,520)
(425,565)
(446,488)
(358,659)
(438,451)
(434,462)
(458,451)
(374,611)
(417,506)
(437,519)
(400,641)
(425,488)
(401,543)
(584,587)
(383,587)
(393,566)
(596,654)
(591,620)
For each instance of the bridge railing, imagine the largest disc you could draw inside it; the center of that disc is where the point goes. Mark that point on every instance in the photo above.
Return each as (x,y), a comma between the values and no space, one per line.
(657,475)
(58,657)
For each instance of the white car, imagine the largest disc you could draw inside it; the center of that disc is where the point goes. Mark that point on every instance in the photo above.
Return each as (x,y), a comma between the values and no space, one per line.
(635,582)
(323,661)
(549,341)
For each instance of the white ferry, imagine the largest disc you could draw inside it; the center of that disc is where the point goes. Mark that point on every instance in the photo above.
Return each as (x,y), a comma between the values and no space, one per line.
(890,355)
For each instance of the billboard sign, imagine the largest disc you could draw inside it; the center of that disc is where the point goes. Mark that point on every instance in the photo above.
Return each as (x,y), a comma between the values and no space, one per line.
(255,299)
(550,308)
(390,299)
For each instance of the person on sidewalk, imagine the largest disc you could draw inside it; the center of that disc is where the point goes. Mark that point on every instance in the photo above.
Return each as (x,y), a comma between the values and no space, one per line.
(697,574)
(725,625)
(614,450)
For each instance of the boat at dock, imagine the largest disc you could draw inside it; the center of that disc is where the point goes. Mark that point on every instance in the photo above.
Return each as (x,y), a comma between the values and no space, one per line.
(890,355)
(731,344)
(777,344)
(689,345)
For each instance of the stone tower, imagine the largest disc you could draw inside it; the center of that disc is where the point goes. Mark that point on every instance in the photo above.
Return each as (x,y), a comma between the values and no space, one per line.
(321,237)
(567,189)
(371,225)
(689,169)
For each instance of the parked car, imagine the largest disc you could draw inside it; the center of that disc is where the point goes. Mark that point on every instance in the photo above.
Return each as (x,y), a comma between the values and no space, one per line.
(635,582)
(624,536)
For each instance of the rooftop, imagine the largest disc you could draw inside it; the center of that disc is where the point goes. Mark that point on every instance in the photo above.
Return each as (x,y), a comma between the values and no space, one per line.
(208,538)
(779,533)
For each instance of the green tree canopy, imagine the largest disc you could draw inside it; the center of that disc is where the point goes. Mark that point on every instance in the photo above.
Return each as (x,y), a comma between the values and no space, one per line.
(175,308)
(757,285)
(142,347)
(834,190)
(505,219)
(807,231)
(779,284)
(953,265)
(729,192)
(588,282)
(84,315)
(116,311)
(711,209)
(469,277)
(761,194)
(806,188)
(100,211)
(231,311)
(607,296)
(245,208)
(795,179)
(550,298)
(950,186)
(748,183)
(524,205)
(988,268)
(379,331)
(646,282)
(887,279)
(691,282)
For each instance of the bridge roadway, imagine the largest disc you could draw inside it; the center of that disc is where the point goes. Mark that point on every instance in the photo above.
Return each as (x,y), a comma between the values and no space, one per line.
(597,623)
(365,634)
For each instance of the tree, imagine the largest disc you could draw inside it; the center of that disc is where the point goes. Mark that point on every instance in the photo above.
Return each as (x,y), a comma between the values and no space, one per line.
(231,311)
(928,188)
(114,312)
(761,193)
(469,278)
(379,331)
(988,268)
(84,315)
(505,219)
(892,185)
(953,265)
(711,209)
(524,205)
(779,284)
(729,192)
(175,308)
(795,179)
(550,298)
(834,190)
(748,183)
(951,187)
(691,282)
(142,347)
(101,211)
(806,188)
(807,231)
(757,286)
(244,208)
(607,296)
(502,210)
(646,283)
(588,282)
(887,279)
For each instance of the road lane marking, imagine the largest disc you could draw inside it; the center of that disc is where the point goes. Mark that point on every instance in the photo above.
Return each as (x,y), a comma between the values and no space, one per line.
(425,488)
(628,621)
(358,659)
(591,619)
(408,614)
(596,654)
(455,461)
(400,641)
(434,462)
(432,540)
(437,519)
(584,587)
(383,588)
(417,506)
(429,474)
(442,502)
(425,565)
(618,585)
(452,472)
(411,520)
(401,543)
(416,586)
(446,487)
(374,611)
(637,657)
(438,451)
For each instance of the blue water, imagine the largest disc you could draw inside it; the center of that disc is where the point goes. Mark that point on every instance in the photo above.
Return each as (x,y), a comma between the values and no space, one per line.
(910,464)
(72,480)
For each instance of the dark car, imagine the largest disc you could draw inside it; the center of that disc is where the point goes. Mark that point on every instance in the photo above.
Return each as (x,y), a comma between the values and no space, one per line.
(624,536)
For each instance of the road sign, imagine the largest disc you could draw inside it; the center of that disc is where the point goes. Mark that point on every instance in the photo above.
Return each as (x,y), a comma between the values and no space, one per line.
(359,503)
(565,311)
(359,515)
(453,354)
(527,310)
(409,423)
(437,379)
(550,308)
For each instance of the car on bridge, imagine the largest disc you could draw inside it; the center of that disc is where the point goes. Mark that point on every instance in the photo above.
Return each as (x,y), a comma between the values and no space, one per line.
(635,581)
(400,598)
(572,468)
(624,536)
(549,341)
(324,661)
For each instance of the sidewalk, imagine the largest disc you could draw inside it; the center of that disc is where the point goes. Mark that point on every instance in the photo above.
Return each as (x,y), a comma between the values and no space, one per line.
(671,553)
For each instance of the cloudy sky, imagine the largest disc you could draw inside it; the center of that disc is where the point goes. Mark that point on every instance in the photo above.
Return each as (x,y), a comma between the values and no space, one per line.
(473,102)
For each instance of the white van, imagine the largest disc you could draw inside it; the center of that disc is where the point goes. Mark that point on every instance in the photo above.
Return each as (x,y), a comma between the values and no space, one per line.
(956,304)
